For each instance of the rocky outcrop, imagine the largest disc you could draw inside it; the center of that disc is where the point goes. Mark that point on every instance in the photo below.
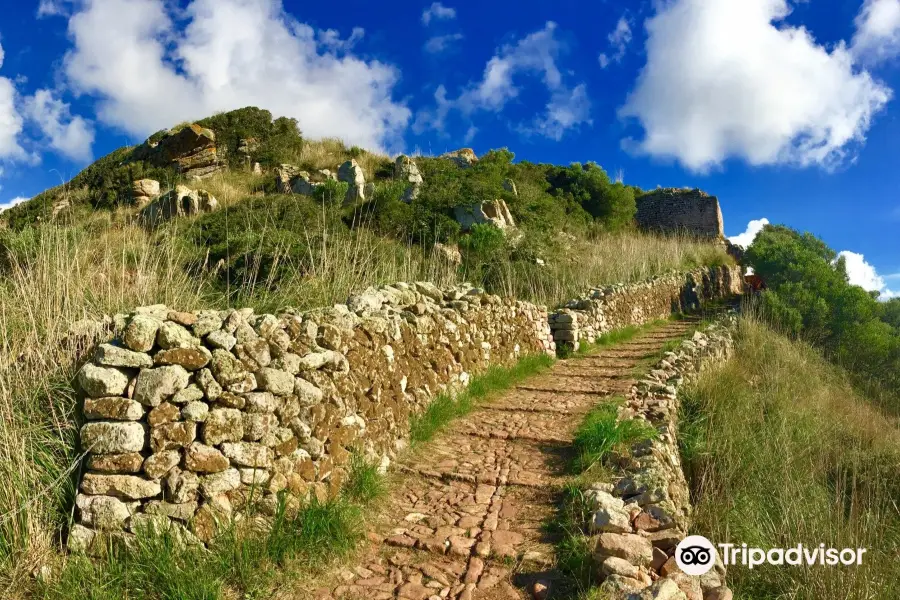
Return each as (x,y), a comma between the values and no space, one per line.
(405,169)
(180,202)
(510,186)
(492,212)
(193,415)
(352,174)
(639,518)
(190,150)
(464,157)
(448,253)
(284,176)
(144,191)
(604,309)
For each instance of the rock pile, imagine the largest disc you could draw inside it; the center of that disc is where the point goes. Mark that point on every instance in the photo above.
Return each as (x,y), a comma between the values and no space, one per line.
(180,202)
(639,520)
(604,309)
(193,415)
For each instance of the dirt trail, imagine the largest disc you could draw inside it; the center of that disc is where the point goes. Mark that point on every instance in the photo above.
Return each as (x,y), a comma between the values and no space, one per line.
(465,516)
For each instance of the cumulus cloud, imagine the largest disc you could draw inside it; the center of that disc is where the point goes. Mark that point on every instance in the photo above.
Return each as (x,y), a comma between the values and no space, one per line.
(146,73)
(70,135)
(13,202)
(11,121)
(746,238)
(532,57)
(52,8)
(437,12)
(440,43)
(618,42)
(877,34)
(729,78)
(861,273)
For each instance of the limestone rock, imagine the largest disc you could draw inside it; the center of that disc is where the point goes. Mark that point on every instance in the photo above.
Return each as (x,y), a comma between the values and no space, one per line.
(191,150)
(157,465)
(219,483)
(115,408)
(173,335)
(104,437)
(283,175)
(195,411)
(140,334)
(204,459)
(306,393)
(662,589)
(143,191)
(155,385)
(80,539)
(102,512)
(127,462)
(99,382)
(182,486)
(277,382)
(223,425)
(221,339)
(180,202)
(448,253)
(405,169)
(493,212)
(114,356)
(464,157)
(191,359)
(171,436)
(245,454)
(633,548)
(183,512)
(120,486)
(351,173)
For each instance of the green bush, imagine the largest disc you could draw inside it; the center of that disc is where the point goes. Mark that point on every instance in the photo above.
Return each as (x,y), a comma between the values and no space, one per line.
(276,141)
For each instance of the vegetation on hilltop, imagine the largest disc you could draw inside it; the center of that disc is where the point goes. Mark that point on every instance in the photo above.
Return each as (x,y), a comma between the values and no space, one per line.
(810,296)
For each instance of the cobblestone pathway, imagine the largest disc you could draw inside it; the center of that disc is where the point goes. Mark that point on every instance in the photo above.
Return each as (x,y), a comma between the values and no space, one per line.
(465,515)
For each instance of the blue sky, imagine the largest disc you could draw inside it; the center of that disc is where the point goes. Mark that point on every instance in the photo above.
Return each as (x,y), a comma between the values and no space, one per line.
(787,111)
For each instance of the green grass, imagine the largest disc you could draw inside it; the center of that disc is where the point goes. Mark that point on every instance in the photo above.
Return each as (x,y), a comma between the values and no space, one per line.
(237,563)
(779,449)
(445,408)
(574,551)
(602,432)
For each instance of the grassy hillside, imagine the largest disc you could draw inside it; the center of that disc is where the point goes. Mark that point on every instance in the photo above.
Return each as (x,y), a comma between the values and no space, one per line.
(781,450)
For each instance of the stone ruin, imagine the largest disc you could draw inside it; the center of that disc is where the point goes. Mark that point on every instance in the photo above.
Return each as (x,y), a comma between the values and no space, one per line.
(673,210)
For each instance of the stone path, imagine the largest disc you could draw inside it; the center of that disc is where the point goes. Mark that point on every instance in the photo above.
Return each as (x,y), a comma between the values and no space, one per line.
(465,517)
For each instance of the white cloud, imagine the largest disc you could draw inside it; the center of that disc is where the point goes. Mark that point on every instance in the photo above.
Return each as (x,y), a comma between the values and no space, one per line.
(437,12)
(439,43)
(618,41)
(729,78)
(331,39)
(534,56)
(11,121)
(746,238)
(877,34)
(147,74)
(861,273)
(13,202)
(71,135)
(52,8)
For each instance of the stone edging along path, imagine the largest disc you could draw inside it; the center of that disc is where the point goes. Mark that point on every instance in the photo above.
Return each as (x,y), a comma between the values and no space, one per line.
(467,520)
(192,414)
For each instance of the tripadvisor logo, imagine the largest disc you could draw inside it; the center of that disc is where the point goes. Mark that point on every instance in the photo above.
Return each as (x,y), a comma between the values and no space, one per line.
(696,555)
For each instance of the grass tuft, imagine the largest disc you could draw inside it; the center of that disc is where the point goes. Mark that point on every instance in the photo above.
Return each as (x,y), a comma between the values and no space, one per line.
(445,408)
(601,432)
(364,483)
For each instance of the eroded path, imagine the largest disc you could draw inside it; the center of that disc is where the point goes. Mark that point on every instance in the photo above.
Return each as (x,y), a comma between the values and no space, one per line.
(465,515)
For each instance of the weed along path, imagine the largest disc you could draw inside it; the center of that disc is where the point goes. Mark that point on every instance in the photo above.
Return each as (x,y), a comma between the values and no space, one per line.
(467,513)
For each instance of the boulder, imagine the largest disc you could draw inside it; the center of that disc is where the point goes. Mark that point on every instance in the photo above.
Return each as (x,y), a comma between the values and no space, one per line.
(180,202)
(464,157)
(144,191)
(351,173)
(494,212)
(284,173)
(191,150)
(405,169)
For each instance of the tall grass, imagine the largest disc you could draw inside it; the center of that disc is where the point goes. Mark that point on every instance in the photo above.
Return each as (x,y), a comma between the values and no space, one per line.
(780,450)
(602,432)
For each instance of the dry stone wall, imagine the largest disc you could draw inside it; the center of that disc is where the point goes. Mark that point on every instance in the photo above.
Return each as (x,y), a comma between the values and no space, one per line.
(190,415)
(584,319)
(638,520)
(680,210)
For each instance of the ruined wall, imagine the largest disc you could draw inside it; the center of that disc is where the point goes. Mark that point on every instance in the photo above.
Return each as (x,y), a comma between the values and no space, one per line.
(638,521)
(604,309)
(679,210)
(191,413)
